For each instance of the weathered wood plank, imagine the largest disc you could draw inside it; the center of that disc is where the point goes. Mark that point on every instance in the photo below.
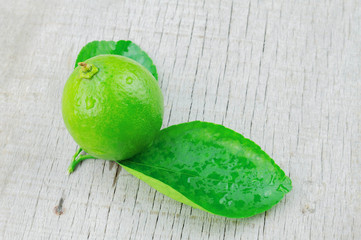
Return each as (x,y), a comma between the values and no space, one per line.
(284,73)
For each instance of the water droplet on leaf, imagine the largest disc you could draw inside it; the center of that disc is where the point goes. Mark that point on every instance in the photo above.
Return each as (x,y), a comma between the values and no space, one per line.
(267,193)
(272,180)
(283,189)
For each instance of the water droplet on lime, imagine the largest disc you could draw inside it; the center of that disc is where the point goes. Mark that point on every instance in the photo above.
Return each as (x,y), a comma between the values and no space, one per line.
(78,102)
(89,102)
(129,80)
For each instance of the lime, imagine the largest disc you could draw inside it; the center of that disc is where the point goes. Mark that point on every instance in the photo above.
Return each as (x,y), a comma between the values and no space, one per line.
(112,106)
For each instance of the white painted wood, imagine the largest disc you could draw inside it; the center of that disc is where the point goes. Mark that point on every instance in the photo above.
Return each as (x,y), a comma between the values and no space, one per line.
(283,73)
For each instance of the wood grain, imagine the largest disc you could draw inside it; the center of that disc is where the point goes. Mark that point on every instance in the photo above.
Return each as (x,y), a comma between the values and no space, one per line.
(284,73)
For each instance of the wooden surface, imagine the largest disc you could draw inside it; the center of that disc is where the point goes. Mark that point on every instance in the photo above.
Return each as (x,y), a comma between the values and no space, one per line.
(284,73)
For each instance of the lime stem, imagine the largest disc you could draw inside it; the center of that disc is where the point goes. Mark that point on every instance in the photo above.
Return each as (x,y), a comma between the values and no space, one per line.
(85,67)
(77,158)
(87,70)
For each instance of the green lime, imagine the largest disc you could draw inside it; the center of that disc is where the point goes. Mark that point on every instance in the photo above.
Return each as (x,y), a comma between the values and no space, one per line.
(112,106)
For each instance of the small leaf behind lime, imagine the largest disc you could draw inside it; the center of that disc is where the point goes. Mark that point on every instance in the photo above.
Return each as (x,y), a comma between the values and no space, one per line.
(122,47)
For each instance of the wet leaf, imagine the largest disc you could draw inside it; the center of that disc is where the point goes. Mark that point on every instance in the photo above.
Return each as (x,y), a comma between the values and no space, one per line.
(213,168)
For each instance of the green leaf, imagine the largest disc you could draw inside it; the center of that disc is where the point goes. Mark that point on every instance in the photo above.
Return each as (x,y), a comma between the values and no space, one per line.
(122,47)
(213,168)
